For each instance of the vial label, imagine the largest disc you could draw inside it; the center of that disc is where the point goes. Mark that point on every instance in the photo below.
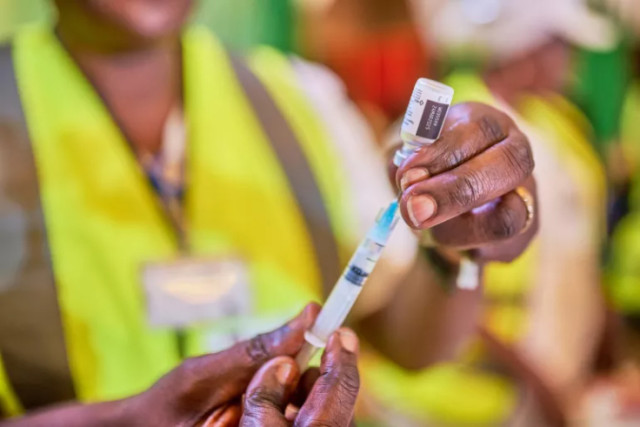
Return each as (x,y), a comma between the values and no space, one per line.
(426,112)
(432,120)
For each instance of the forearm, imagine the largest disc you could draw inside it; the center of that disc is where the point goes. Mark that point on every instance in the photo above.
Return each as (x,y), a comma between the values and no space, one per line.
(425,321)
(114,413)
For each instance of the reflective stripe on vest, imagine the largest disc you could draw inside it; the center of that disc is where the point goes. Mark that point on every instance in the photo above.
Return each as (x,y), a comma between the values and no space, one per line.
(102,221)
(31,337)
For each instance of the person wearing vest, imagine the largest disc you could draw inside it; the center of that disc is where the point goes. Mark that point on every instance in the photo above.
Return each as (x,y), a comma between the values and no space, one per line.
(162,198)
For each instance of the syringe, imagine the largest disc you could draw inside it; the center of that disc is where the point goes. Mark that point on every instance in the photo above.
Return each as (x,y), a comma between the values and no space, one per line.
(346,291)
(421,126)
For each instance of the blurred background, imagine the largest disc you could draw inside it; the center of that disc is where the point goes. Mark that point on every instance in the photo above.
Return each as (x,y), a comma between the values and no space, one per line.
(569,72)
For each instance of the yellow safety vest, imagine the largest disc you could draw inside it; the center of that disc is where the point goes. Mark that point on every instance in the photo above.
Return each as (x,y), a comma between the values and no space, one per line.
(103,220)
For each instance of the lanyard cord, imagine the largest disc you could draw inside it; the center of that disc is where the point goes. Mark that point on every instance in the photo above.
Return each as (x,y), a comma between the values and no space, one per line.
(166,173)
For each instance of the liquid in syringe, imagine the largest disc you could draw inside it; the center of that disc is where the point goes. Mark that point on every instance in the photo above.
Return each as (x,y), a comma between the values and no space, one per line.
(346,291)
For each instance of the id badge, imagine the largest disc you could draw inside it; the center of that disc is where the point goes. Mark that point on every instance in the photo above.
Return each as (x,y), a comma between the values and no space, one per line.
(190,291)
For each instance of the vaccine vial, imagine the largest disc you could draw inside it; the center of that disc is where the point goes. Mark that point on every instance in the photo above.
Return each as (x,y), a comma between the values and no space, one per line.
(424,118)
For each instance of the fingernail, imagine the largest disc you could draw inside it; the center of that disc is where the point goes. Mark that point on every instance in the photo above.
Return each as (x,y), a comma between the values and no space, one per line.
(291,412)
(349,341)
(421,208)
(412,176)
(284,374)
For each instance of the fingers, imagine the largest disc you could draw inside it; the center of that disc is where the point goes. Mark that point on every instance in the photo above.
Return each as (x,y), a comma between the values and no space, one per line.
(481,156)
(470,129)
(305,385)
(269,392)
(485,177)
(219,377)
(227,415)
(495,221)
(286,340)
(333,397)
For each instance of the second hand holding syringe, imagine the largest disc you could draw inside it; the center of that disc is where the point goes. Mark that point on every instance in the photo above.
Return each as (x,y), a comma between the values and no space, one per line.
(421,126)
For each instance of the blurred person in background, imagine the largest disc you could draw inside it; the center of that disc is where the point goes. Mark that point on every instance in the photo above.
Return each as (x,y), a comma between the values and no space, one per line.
(615,395)
(243,24)
(374,48)
(544,313)
(162,198)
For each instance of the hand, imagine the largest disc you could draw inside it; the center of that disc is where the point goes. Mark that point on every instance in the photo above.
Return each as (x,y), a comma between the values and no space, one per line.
(331,399)
(462,187)
(207,390)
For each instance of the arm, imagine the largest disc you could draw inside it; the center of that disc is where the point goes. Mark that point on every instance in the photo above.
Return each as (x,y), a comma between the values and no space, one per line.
(461,188)
(207,388)
(99,414)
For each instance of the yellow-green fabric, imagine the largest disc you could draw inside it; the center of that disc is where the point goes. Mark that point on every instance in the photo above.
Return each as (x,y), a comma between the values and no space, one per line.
(452,394)
(15,13)
(630,139)
(623,270)
(274,68)
(104,221)
(9,404)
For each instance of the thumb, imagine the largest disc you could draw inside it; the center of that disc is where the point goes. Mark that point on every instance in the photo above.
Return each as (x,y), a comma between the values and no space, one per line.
(269,392)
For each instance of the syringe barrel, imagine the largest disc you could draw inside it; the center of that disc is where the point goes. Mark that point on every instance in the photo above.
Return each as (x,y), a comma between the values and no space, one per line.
(335,311)
(424,118)
(345,292)
(349,285)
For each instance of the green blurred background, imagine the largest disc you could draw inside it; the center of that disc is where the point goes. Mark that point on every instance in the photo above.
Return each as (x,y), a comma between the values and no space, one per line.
(240,23)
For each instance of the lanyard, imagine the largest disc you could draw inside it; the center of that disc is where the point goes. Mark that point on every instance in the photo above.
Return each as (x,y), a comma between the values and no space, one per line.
(166,172)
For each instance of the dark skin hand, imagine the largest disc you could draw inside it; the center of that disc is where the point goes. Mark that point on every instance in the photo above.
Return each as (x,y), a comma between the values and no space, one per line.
(330,401)
(461,189)
(204,390)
